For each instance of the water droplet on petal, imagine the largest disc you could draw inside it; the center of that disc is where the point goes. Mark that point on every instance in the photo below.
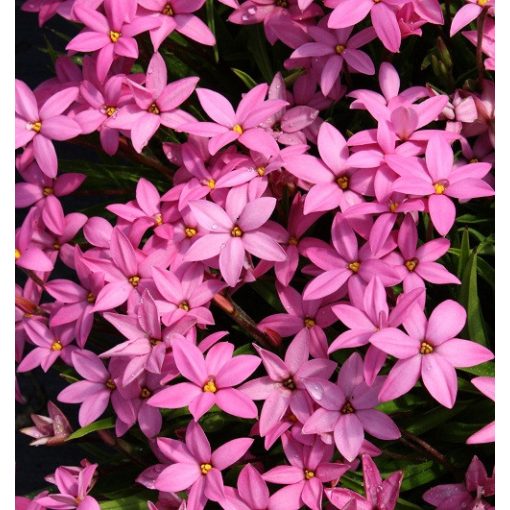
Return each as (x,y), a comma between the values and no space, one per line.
(214,226)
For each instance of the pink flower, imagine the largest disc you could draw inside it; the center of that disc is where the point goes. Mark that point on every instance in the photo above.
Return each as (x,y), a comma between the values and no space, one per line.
(310,468)
(460,495)
(74,485)
(430,349)
(212,380)
(347,409)
(283,387)
(440,180)
(242,124)
(176,15)
(233,232)
(42,125)
(48,430)
(487,434)
(379,494)
(469,12)
(196,468)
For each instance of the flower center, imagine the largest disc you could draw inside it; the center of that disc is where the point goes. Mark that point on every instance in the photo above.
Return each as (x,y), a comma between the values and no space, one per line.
(36,126)
(439,188)
(211,183)
(17,254)
(236,232)
(205,468)
(473,160)
(426,348)
(482,3)
(289,384)
(56,246)
(411,264)
(110,110)
(309,322)
(145,393)
(158,219)
(167,10)
(47,191)
(347,408)
(376,1)
(210,386)
(261,170)
(27,315)
(343,182)
(339,48)
(354,266)
(238,129)
(91,298)
(134,280)
(56,345)
(282,3)
(190,232)
(110,384)
(184,305)
(292,241)
(309,474)
(393,206)
(154,341)
(153,108)
(114,36)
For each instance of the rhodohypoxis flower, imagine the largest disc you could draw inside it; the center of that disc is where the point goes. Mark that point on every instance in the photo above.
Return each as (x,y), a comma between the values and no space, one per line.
(112,34)
(431,350)
(283,387)
(177,15)
(347,13)
(303,318)
(48,430)
(487,434)
(310,468)
(346,409)
(439,179)
(469,12)
(74,485)
(469,494)
(379,494)
(339,48)
(22,503)
(41,125)
(155,104)
(234,231)
(242,124)
(196,468)
(211,380)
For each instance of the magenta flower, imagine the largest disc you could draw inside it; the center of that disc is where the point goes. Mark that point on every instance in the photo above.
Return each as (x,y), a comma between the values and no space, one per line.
(469,494)
(233,232)
(196,468)
(176,15)
(212,380)
(469,12)
(347,13)
(379,494)
(48,430)
(283,388)
(303,318)
(310,469)
(112,34)
(74,485)
(242,124)
(440,180)
(155,104)
(487,434)
(42,125)
(340,49)
(346,409)
(430,349)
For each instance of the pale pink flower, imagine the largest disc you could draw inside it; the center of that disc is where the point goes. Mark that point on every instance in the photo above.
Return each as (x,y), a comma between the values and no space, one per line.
(48,430)
(487,434)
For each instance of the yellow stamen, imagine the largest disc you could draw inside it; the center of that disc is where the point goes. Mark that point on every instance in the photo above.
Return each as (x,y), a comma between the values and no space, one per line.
(27,315)
(261,170)
(482,3)
(154,341)
(36,126)
(17,254)
(110,110)
(91,298)
(411,264)
(210,387)
(114,36)
(393,206)
(309,474)
(134,280)
(236,232)
(158,219)
(145,393)
(238,129)
(309,322)
(426,348)
(205,468)
(211,183)
(292,241)
(289,384)
(343,182)
(153,108)
(47,191)
(473,160)
(354,266)
(57,345)
(110,385)
(184,306)
(190,232)
(167,10)
(347,408)
(439,188)
(56,246)
(339,48)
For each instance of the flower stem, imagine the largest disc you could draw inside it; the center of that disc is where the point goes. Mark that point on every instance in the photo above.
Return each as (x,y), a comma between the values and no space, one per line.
(479,43)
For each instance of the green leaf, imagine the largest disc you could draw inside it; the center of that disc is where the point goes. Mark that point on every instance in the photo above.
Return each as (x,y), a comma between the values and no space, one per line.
(211,22)
(433,418)
(130,503)
(105,423)
(257,46)
(486,369)
(463,253)
(245,77)
(420,474)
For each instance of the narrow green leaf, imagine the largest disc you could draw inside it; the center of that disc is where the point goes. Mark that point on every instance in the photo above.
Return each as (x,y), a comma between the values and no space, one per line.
(486,271)
(130,503)
(485,369)
(105,423)
(211,22)
(464,253)
(420,474)
(245,77)
(258,48)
